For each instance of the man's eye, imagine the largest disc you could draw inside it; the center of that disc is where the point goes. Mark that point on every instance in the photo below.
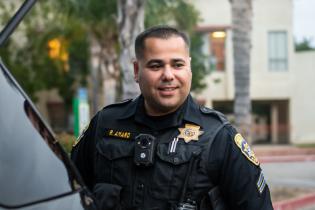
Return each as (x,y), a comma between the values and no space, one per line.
(178,65)
(155,66)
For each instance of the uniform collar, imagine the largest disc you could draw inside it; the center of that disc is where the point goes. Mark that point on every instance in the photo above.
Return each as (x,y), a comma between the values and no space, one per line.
(159,122)
(130,109)
(189,112)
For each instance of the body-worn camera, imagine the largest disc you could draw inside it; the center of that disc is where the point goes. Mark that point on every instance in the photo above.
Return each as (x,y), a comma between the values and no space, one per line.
(144,150)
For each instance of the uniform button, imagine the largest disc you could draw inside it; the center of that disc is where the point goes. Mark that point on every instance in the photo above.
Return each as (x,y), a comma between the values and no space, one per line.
(176,160)
(140,186)
(195,153)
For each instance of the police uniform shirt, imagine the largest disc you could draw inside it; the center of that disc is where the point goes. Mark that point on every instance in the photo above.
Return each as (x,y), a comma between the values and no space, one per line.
(105,154)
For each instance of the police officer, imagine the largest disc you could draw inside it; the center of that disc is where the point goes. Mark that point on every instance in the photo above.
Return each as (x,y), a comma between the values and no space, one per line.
(161,150)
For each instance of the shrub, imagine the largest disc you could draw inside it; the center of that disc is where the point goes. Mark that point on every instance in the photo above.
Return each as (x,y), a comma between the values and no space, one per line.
(66,140)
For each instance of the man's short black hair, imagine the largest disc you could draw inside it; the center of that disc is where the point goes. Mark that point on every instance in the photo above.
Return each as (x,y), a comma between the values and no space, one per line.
(163,32)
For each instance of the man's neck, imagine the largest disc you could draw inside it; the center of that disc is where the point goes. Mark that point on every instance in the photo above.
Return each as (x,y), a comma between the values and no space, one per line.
(158,112)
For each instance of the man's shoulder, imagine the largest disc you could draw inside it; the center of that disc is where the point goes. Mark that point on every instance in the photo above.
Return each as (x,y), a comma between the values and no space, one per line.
(118,105)
(213,114)
(116,109)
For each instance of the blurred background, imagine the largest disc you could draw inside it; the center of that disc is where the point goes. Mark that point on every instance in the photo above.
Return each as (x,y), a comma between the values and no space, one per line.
(253,60)
(75,57)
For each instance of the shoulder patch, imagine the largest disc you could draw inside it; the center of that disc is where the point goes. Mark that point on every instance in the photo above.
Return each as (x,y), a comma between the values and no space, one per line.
(246,150)
(126,101)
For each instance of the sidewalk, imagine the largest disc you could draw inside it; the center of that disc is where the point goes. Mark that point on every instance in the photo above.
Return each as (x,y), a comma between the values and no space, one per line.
(288,153)
(303,202)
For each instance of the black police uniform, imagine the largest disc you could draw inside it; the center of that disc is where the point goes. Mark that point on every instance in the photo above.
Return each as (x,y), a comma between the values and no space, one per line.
(194,145)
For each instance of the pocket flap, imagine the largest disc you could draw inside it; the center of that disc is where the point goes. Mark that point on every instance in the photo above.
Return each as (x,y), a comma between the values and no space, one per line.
(183,154)
(115,148)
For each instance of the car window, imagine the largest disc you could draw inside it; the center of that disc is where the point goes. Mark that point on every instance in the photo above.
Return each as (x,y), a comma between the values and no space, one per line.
(31,163)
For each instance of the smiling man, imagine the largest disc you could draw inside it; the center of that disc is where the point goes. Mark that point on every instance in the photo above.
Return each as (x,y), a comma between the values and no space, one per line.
(163,73)
(161,150)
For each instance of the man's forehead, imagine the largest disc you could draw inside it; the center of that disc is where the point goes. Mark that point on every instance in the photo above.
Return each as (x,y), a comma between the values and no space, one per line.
(161,61)
(156,41)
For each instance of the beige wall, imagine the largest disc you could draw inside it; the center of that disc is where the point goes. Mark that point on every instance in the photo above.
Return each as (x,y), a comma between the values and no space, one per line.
(303,101)
(265,84)
(213,12)
(297,84)
(268,84)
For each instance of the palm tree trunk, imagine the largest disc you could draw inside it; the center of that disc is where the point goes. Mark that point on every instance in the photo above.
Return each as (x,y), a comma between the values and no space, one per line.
(130,24)
(241,29)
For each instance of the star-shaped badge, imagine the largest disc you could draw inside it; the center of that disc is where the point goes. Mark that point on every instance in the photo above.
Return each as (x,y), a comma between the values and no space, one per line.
(190,132)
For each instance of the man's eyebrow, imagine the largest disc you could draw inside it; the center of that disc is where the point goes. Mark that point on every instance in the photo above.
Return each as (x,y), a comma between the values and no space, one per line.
(178,60)
(154,61)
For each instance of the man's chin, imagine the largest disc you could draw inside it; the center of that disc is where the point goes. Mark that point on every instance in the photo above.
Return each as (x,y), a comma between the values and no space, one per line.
(163,106)
(168,107)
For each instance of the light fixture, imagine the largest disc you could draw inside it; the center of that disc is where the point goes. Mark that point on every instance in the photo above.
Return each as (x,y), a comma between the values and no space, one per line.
(218,34)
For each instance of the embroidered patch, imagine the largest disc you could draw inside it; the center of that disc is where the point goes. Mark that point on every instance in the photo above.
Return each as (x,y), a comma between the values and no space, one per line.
(261,183)
(118,134)
(243,145)
(190,132)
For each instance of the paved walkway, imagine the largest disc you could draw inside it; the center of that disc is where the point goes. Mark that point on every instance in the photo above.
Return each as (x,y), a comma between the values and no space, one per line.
(288,153)
(305,202)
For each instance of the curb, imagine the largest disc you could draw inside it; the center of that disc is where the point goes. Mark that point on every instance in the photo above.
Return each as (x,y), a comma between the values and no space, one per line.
(295,203)
(286,158)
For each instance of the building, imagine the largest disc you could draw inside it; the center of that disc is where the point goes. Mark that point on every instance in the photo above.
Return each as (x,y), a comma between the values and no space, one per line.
(282,81)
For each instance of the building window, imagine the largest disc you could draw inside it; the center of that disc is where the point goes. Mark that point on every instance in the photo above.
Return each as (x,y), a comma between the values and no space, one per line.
(217,50)
(278,50)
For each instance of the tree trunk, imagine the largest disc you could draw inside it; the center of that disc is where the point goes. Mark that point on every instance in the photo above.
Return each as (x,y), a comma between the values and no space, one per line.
(241,29)
(130,23)
(95,64)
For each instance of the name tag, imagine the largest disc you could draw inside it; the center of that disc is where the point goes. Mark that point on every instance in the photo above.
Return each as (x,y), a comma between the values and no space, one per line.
(119,134)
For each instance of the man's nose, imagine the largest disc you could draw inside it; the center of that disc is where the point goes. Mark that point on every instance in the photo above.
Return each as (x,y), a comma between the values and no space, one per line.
(168,73)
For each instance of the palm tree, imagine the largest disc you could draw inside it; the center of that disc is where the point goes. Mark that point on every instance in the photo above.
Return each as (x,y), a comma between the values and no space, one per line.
(241,29)
(130,23)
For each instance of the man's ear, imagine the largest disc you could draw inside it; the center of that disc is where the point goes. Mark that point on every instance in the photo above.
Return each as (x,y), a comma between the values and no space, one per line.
(136,70)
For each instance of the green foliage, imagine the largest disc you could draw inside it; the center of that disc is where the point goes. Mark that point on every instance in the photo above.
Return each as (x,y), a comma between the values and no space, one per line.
(198,63)
(304,45)
(66,140)
(29,60)
(97,16)
(75,22)
(159,12)
(183,15)
(310,145)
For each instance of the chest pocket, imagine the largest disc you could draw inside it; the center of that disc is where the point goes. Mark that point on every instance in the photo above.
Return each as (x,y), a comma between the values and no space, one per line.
(114,157)
(171,168)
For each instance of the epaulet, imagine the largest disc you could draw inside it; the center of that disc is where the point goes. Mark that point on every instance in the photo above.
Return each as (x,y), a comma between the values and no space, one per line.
(126,101)
(219,115)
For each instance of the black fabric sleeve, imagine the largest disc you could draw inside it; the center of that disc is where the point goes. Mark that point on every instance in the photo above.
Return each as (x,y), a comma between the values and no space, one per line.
(82,154)
(238,178)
